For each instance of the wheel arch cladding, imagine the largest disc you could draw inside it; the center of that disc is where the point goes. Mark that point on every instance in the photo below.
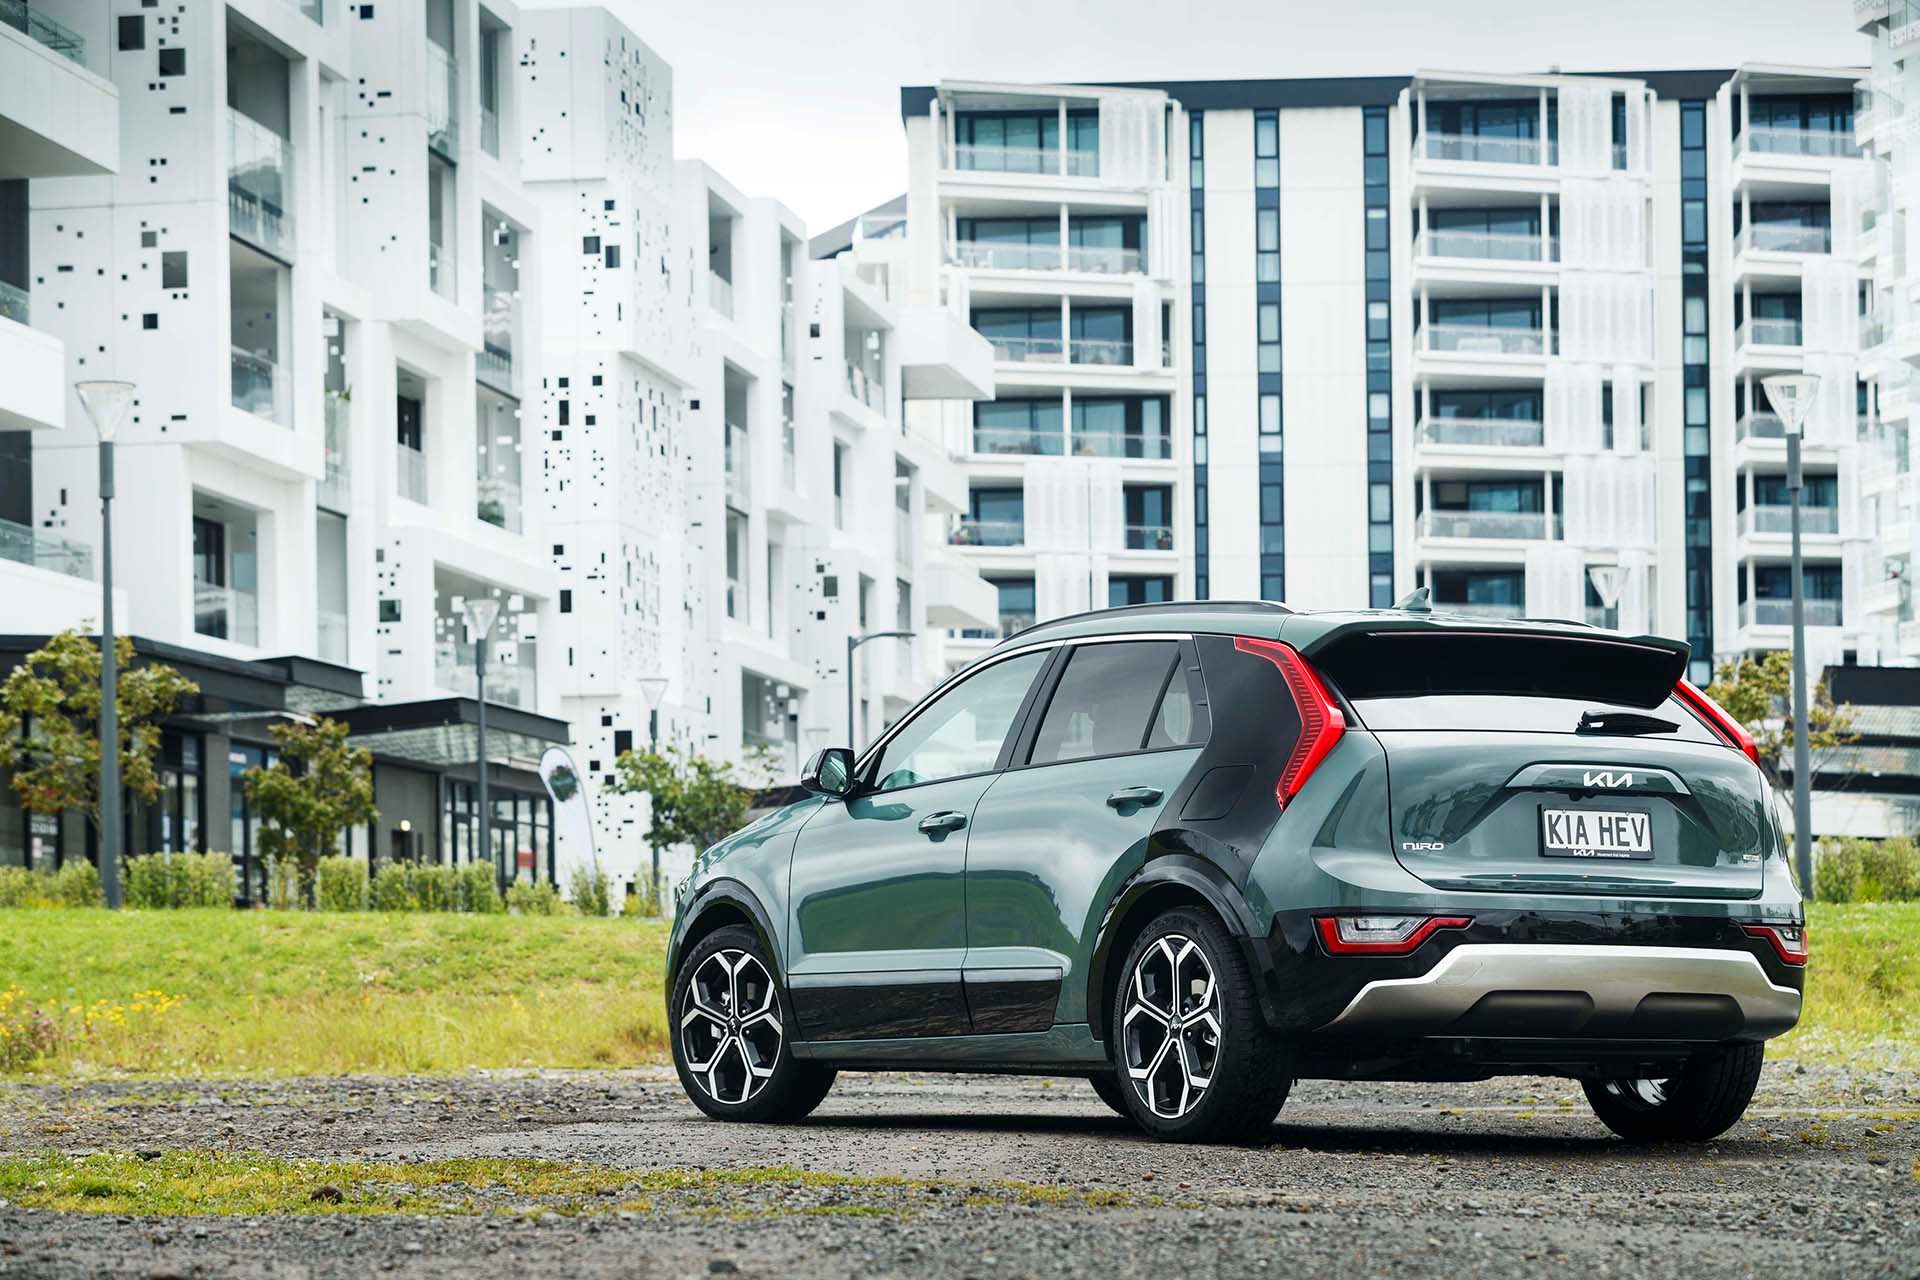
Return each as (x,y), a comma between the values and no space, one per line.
(721,903)
(1164,883)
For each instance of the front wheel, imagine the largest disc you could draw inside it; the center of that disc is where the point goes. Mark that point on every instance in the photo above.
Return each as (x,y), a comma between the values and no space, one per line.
(729,1034)
(1194,1060)
(1702,1101)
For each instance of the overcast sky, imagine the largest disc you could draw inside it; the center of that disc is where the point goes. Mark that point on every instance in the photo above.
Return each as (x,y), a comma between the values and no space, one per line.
(800,101)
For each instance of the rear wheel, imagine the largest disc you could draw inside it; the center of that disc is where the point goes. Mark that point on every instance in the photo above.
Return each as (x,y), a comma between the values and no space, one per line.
(729,1034)
(1194,1060)
(1702,1101)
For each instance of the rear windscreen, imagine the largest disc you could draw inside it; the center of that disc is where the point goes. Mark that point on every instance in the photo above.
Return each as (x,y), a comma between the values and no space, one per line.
(1506,714)
(1406,664)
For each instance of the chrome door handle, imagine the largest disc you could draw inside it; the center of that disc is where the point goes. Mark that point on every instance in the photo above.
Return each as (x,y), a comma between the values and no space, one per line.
(1134,795)
(948,821)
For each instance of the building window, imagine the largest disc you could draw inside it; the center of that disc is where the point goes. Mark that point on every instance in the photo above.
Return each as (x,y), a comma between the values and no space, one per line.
(1379,337)
(1267,362)
(1197,205)
(1696,383)
(1134,588)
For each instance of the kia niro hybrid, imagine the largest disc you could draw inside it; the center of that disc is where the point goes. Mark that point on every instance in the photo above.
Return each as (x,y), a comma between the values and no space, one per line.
(1195,852)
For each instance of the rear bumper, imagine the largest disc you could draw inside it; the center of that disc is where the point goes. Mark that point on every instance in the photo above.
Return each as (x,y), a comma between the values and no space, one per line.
(1584,991)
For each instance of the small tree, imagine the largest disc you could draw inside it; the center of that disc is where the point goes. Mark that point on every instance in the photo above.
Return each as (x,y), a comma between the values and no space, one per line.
(304,810)
(55,696)
(1757,693)
(695,800)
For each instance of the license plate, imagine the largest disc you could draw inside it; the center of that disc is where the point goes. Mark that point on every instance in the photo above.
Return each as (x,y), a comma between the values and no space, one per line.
(1610,834)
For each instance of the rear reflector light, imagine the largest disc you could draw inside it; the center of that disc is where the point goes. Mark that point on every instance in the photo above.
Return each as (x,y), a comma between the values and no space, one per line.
(1789,940)
(1717,720)
(1321,722)
(1382,935)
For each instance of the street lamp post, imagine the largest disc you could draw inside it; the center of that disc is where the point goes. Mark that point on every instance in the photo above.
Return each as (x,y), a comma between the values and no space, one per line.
(482,613)
(1791,395)
(654,690)
(853,643)
(107,404)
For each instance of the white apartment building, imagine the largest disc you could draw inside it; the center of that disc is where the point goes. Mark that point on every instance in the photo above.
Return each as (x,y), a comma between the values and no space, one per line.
(488,337)
(1496,335)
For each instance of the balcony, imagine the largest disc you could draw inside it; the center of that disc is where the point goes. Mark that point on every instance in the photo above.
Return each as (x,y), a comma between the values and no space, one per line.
(1481,433)
(1042,441)
(1104,442)
(336,485)
(1757,424)
(497,502)
(1480,610)
(15,304)
(1779,613)
(1889,595)
(258,162)
(988,533)
(737,465)
(1482,149)
(443,96)
(1109,352)
(442,277)
(1149,537)
(330,636)
(1782,237)
(1484,340)
(37,26)
(1092,259)
(410,472)
(494,363)
(1779,519)
(866,389)
(1771,141)
(1528,526)
(226,613)
(260,387)
(1763,331)
(720,293)
(24,545)
(510,684)
(1485,246)
(1036,160)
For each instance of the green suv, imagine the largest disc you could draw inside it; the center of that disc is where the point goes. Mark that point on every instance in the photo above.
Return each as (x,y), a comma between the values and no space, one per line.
(1194,852)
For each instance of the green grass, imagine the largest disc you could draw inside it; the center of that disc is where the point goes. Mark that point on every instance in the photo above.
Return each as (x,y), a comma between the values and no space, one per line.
(296,993)
(290,993)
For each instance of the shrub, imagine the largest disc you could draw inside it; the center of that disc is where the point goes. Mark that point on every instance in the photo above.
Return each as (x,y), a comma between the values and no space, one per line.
(76,884)
(1867,871)
(642,902)
(341,884)
(588,891)
(476,889)
(283,885)
(532,898)
(18,887)
(392,888)
(160,880)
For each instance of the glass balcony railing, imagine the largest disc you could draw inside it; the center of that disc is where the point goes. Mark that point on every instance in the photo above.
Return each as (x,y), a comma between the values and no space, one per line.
(1482,433)
(497,502)
(1094,259)
(1779,613)
(330,636)
(1598,615)
(1757,424)
(903,539)
(1480,609)
(1765,331)
(866,388)
(1486,246)
(1043,441)
(1482,148)
(509,683)
(1019,350)
(1485,340)
(720,293)
(1778,518)
(226,613)
(1769,140)
(1520,525)
(1783,237)
(490,131)
(494,363)
(1100,442)
(24,18)
(14,303)
(1037,160)
(1149,537)
(410,472)
(441,275)
(258,162)
(260,387)
(1107,351)
(737,464)
(25,545)
(988,533)
(336,485)
(443,97)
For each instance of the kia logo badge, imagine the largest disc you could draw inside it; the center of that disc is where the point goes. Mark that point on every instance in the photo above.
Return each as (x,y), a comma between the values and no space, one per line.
(1606,778)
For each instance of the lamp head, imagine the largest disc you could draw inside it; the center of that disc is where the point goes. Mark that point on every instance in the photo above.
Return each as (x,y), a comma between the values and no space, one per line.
(106,403)
(482,612)
(1791,395)
(654,690)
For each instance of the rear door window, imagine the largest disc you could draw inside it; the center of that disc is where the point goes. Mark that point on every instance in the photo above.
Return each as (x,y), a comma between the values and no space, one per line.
(1112,699)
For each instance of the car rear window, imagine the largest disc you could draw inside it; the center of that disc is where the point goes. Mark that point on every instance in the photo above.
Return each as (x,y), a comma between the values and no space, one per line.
(1483,712)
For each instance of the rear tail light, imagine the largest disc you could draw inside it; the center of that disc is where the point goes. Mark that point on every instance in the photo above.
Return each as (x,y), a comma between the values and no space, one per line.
(1789,940)
(1321,722)
(1717,720)
(1382,935)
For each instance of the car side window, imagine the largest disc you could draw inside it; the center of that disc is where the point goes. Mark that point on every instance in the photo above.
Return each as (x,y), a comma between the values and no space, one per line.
(1183,718)
(1107,702)
(962,731)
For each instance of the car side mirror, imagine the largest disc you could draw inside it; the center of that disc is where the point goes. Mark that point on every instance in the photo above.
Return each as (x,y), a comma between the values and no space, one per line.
(829,772)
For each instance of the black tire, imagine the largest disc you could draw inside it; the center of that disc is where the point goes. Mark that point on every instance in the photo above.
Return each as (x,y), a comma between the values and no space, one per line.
(1703,1101)
(1248,1071)
(792,1088)
(1111,1092)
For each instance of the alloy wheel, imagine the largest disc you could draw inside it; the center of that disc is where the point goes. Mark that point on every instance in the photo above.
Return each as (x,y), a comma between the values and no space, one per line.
(1641,1093)
(730,1028)
(1171,1031)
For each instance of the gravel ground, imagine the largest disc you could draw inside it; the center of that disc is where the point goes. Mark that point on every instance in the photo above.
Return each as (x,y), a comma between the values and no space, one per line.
(1510,1177)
